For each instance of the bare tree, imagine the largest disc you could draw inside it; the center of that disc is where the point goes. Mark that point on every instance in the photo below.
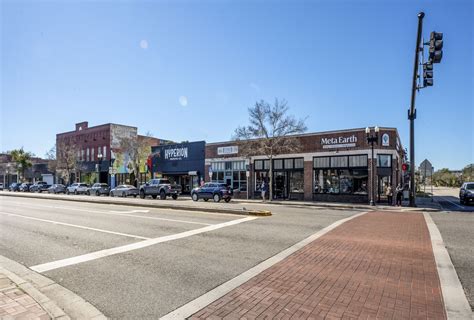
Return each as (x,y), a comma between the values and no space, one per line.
(52,162)
(270,132)
(66,158)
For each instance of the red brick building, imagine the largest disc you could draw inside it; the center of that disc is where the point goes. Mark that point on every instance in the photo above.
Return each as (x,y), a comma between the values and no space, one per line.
(331,166)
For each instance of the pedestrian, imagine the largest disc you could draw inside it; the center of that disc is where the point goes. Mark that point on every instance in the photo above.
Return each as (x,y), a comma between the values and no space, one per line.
(389,194)
(264,189)
(399,193)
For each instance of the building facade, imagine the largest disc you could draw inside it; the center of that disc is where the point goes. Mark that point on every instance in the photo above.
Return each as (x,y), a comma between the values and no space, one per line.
(39,171)
(330,166)
(99,154)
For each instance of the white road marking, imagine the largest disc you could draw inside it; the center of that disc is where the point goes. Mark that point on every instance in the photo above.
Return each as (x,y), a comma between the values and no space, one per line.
(73,225)
(197,304)
(455,301)
(131,211)
(457,205)
(133,246)
(116,213)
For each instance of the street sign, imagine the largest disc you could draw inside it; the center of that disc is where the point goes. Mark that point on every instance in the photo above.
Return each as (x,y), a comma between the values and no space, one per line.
(426,169)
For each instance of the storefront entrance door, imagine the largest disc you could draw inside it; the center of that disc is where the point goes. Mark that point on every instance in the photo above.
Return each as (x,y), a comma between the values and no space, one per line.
(383,182)
(280,185)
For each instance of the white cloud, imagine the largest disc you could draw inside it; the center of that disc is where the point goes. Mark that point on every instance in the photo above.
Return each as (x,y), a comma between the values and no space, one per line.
(144,44)
(183,100)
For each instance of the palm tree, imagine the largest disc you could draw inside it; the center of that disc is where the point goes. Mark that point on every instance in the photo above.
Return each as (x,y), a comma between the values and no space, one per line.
(23,161)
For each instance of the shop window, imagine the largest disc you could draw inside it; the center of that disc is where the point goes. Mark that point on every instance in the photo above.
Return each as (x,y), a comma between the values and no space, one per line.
(339,162)
(321,162)
(88,155)
(266,164)
(238,165)
(220,177)
(258,164)
(259,178)
(277,164)
(358,161)
(92,154)
(228,165)
(384,161)
(297,182)
(104,155)
(299,163)
(288,163)
(336,181)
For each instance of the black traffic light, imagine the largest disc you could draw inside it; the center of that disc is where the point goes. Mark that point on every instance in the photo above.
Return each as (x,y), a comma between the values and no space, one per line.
(427,74)
(436,46)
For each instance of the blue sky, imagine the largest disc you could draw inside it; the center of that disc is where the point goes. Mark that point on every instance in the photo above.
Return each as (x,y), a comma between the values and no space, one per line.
(188,70)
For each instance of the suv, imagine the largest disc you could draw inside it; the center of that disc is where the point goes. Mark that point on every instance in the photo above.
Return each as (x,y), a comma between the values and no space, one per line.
(77,188)
(39,186)
(25,187)
(215,191)
(466,194)
(15,186)
(161,187)
(99,189)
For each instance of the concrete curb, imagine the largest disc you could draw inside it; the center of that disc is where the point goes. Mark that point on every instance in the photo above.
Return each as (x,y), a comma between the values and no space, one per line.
(197,304)
(57,301)
(131,203)
(455,301)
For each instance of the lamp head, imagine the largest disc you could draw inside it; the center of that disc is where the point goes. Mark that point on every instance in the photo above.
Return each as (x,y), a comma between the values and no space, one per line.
(377,129)
(367,130)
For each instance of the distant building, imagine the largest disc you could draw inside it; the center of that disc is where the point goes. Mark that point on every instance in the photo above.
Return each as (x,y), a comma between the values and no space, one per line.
(96,154)
(39,170)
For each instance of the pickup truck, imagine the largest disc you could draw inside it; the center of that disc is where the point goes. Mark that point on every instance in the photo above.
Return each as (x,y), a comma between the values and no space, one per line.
(39,186)
(160,187)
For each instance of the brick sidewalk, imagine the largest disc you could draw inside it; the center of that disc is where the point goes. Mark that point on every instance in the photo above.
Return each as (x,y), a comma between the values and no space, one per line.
(16,304)
(379,265)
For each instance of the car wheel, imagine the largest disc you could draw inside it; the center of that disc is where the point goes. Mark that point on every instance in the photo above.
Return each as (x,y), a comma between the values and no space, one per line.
(97,193)
(142,194)
(112,194)
(124,195)
(67,192)
(75,192)
(154,196)
(174,196)
(162,195)
(195,197)
(216,197)
(227,199)
(206,199)
(134,195)
(88,193)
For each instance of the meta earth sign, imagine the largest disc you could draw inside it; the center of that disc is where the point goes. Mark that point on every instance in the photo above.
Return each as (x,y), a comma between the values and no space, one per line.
(339,142)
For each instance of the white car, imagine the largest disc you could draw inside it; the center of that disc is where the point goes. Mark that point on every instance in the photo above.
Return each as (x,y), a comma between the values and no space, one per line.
(77,188)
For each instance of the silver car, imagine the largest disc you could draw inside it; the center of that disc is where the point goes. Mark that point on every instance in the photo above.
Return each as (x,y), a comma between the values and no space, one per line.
(77,188)
(124,190)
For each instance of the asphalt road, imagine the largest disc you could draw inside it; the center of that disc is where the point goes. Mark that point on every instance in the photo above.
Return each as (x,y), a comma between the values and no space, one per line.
(167,257)
(448,198)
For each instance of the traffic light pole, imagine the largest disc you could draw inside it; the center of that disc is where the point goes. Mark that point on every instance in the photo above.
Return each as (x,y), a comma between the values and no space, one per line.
(412,111)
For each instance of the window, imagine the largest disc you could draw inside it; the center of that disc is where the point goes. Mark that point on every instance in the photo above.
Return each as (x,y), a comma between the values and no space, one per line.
(262,164)
(296,181)
(82,155)
(278,164)
(358,161)
(339,162)
(337,181)
(299,163)
(92,154)
(104,155)
(288,163)
(228,165)
(384,161)
(321,162)
(88,157)
(266,164)
(259,178)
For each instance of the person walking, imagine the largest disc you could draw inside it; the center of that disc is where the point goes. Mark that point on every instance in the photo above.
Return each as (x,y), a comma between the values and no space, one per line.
(264,190)
(399,193)
(389,194)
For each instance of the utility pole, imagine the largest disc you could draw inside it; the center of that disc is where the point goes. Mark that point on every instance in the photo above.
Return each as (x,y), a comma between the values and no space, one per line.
(412,111)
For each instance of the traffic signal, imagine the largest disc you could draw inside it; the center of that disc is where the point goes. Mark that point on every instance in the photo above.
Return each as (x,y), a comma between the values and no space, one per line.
(427,74)
(436,46)
(405,167)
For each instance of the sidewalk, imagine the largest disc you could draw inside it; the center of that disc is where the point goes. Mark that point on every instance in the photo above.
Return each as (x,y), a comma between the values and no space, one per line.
(17,304)
(380,265)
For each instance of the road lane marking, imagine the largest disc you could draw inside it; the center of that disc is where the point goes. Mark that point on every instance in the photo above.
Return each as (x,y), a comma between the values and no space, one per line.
(130,211)
(116,213)
(133,246)
(457,205)
(455,301)
(73,225)
(197,304)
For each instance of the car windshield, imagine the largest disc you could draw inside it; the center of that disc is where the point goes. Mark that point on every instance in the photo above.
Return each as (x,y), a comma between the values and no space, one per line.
(470,186)
(103,185)
(164,181)
(129,186)
(82,185)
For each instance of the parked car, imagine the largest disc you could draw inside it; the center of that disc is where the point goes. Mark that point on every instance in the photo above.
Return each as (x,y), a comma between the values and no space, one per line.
(39,186)
(57,188)
(124,190)
(466,194)
(99,189)
(14,186)
(215,191)
(25,187)
(77,188)
(160,187)
(1,186)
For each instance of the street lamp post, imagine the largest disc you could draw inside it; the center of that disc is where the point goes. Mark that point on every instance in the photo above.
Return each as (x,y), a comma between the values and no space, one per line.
(372,138)
(99,160)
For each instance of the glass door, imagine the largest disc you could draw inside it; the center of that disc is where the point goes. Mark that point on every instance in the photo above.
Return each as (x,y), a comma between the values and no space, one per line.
(280,185)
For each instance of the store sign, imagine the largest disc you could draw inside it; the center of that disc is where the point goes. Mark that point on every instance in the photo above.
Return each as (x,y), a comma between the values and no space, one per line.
(339,142)
(176,153)
(227,150)
(385,140)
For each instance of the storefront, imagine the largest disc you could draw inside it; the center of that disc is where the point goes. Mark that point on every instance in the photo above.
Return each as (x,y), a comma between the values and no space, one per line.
(331,166)
(181,163)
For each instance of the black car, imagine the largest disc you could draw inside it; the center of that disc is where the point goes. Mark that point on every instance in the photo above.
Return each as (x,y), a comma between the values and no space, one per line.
(99,189)
(466,194)
(25,187)
(124,190)
(14,186)
(57,188)
(215,191)
(39,186)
